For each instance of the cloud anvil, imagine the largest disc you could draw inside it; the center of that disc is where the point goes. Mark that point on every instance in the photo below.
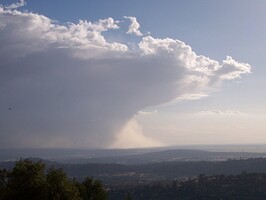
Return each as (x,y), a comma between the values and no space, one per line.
(69,86)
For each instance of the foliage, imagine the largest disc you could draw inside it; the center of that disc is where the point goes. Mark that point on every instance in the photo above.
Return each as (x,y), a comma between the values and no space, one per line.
(30,180)
(233,187)
(60,187)
(92,189)
(118,173)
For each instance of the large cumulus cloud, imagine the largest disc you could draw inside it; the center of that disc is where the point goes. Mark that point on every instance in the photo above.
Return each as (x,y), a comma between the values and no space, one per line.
(65,85)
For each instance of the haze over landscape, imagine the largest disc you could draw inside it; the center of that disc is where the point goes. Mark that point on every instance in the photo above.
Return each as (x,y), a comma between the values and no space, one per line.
(129,74)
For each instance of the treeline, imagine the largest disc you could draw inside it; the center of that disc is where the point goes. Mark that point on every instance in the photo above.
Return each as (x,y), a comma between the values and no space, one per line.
(30,180)
(170,170)
(114,173)
(245,186)
(120,174)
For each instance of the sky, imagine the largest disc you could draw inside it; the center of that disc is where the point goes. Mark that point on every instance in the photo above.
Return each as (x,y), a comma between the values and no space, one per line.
(128,74)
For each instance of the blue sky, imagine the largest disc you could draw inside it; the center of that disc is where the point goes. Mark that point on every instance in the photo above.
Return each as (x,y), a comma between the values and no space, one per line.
(228,24)
(221,110)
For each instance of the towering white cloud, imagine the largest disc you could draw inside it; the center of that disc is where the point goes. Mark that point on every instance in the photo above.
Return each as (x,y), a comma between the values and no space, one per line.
(67,85)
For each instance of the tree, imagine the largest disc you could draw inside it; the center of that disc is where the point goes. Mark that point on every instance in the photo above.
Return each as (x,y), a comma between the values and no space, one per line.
(27,181)
(3,183)
(128,197)
(30,180)
(91,189)
(60,187)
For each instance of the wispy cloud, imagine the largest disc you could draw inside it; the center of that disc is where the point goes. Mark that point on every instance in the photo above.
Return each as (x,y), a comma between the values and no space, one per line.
(12,6)
(134,26)
(228,112)
(192,96)
(147,112)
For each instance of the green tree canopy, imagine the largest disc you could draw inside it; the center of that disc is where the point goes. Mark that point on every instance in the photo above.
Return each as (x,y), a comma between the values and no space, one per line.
(30,180)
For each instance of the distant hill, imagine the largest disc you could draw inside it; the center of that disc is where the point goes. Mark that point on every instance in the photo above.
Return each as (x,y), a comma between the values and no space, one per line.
(161,171)
(69,155)
(137,156)
(174,155)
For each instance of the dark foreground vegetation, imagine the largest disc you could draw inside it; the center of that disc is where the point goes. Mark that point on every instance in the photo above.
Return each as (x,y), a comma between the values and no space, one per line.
(246,186)
(30,180)
(120,174)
